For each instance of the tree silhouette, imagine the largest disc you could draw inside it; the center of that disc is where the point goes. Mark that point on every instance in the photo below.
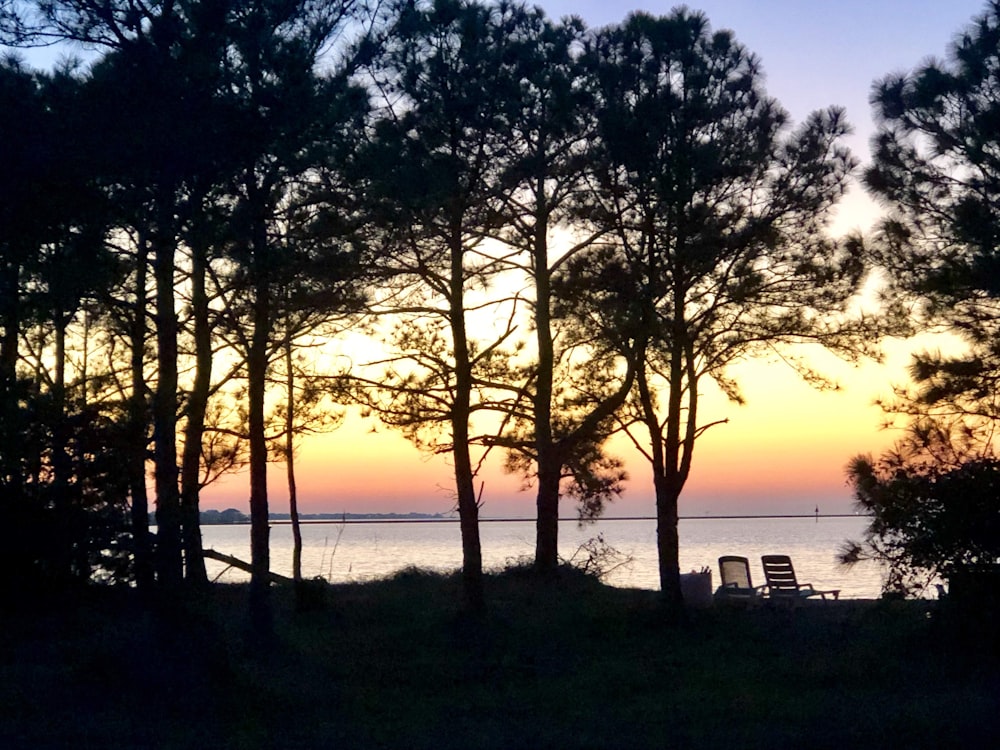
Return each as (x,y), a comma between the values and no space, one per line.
(282,115)
(446,81)
(936,168)
(54,261)
(563,233)
(154,63)
(217,118)
(717,218)
(25,150)
(563,397)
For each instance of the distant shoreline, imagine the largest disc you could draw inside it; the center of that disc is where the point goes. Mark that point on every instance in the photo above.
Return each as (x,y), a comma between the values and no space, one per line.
(232,516)
(284,519)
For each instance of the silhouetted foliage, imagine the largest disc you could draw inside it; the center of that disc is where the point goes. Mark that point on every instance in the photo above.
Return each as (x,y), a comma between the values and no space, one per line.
(66,533)
(558,416)
(202,121)
(283,114)
(448,91)
(936,168)
(716,249)
(552,220)
(934,503)
(59,485)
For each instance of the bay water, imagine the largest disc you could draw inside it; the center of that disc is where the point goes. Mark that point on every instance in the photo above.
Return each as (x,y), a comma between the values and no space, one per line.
(354,550)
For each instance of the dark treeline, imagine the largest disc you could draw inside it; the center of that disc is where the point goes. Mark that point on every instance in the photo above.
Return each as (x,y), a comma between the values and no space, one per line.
(553,234)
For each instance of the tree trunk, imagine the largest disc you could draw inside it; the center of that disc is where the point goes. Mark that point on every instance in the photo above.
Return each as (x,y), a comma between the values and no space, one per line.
(667,486)
(667,541)
(12,469)
(468,507)
(10,320)
(671,473)
(142,549)
(547,520)
(548,458)
(260,612)
(61,463)
(468,514)
(293,495)
(170,566)
(61,467)
(260,560)
(197,405)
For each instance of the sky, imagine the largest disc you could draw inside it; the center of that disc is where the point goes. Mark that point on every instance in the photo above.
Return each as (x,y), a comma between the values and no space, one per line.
(786,450)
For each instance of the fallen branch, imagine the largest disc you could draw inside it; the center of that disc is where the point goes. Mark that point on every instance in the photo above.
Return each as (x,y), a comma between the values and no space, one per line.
(235,562)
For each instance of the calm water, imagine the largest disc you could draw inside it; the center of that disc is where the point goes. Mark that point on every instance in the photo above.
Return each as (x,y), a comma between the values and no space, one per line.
(359,551)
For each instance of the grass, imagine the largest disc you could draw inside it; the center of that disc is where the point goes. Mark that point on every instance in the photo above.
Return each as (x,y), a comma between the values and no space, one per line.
(566,663)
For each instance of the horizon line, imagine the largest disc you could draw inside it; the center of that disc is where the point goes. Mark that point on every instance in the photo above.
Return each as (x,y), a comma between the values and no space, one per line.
(454,519)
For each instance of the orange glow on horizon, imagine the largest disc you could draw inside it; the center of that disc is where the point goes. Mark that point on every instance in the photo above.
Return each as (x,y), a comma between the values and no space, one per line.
(787,448)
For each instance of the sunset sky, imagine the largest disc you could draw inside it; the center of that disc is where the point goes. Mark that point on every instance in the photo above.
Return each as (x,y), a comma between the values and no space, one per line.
(786,450)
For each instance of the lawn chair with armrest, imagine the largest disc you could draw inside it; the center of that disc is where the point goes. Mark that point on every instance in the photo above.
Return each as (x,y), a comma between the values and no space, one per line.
(736,586)
(782,586)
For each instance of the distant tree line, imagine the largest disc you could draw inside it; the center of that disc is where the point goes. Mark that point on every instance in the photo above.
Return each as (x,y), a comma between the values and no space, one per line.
(227,516)
(553,233)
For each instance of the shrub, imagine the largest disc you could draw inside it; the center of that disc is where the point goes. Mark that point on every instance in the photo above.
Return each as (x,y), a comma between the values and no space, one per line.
(934,503)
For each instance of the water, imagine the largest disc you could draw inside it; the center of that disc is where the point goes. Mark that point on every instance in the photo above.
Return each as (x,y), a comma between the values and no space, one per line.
(359,551)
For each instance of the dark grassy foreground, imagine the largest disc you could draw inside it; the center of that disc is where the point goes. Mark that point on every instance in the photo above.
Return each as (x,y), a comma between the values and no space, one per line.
(562,664)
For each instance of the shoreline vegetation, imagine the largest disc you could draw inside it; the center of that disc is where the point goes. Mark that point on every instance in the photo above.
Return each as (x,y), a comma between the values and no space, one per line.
(563,662)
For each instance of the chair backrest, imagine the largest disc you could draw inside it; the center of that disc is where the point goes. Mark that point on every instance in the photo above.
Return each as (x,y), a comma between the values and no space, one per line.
(735,571)
(779,573)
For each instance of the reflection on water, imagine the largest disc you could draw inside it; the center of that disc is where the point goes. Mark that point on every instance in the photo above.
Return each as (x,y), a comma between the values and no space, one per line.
(362,551)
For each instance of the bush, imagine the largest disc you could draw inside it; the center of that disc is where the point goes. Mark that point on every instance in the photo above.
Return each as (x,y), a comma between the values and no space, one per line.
(69,531)
(934,503)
